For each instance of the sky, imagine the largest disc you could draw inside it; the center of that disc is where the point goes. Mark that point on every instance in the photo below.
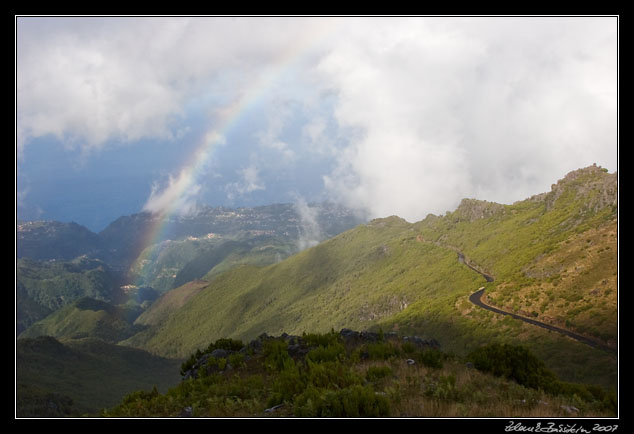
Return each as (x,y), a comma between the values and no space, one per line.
(388,115)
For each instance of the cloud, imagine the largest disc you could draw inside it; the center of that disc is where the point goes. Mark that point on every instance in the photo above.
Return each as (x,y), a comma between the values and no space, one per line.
(309,231)
(414,113)
(88,81)
(177,196)
(249,182)
(491,108)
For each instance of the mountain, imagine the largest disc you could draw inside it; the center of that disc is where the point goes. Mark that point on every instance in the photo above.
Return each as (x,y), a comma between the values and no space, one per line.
(123,239)
(61,262)
(44,240)
(77,377)
(85,318)
(552,258)
(43,286)
(412,278)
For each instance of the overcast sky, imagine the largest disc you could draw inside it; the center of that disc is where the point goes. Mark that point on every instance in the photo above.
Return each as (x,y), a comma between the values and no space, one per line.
(390,115)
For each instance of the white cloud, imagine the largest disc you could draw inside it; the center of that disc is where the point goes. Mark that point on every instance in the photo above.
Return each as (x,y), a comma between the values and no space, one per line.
(177,196)
(483,107)
(249,182)
(425,111)
(309,231)
(88,81)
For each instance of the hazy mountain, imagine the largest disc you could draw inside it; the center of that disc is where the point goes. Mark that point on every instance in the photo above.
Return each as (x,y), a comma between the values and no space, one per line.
(43,240)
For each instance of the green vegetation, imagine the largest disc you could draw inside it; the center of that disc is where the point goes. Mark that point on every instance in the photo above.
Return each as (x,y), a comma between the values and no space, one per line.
(554,259)
(87,318)
(45,286)
(518,364)
(325,375)
(405,277)
(77,377)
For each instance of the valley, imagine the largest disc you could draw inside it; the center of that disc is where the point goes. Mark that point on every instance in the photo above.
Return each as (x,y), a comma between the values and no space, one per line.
(551,259)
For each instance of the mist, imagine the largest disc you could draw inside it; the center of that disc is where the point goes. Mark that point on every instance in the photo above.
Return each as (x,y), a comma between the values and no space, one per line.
(310,233)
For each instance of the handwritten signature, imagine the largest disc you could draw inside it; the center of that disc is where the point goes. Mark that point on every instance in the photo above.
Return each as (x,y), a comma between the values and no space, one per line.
(551,427)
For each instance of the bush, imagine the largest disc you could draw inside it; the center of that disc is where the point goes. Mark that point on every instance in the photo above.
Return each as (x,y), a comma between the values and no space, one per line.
(225,344)
(331,353)
(276,355)
(381,351)
(515,363)
(431,358)
(376,373)
(354,401)
(321,339)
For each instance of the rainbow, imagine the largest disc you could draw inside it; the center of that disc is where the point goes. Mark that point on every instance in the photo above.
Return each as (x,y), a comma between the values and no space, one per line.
(184,185)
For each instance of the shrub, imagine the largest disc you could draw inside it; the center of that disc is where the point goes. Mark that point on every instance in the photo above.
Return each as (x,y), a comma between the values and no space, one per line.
(431,358)
(514,362)
(225,344)
(331,353)
(376,373)
(333,375)
(276,355)
(381,351)
(354,401)
(321,339)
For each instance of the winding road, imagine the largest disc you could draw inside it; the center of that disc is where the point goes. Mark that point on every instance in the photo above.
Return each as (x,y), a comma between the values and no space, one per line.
(475,298)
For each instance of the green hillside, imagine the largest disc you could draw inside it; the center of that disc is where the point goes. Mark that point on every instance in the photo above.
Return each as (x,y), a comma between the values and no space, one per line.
(407,277)
(45,286)
(86,318)
(171,264)
(83,376)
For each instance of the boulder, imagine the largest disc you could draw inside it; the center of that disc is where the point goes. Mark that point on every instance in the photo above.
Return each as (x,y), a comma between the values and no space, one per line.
(219,353)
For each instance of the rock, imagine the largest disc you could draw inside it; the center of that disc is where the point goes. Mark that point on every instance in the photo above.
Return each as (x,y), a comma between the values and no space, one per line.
(272,409)
(297,350)
(348,334)
(470,365)
(411,362)
(219,353)
(264,337)
(186,412)
(369,336)
(255,345)
(570,409)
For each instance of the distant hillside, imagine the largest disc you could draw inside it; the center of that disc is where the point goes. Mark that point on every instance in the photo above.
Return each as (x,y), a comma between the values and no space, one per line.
(123,238)
(83,376)
(45,286)
(61,262)
(44,240)
(407,277)
(87,318)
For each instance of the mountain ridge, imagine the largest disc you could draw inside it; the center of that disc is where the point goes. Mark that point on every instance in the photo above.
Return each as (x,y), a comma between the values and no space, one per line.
(379,275)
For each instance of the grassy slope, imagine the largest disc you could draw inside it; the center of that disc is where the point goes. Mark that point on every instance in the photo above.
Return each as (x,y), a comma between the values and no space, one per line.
(381,274)
(84,318)
(45,286)
(352,280)
(92,373)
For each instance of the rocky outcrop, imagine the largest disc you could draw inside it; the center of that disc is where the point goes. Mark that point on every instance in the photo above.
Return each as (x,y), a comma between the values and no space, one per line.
(598,187)
(472,209)
(218,359)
